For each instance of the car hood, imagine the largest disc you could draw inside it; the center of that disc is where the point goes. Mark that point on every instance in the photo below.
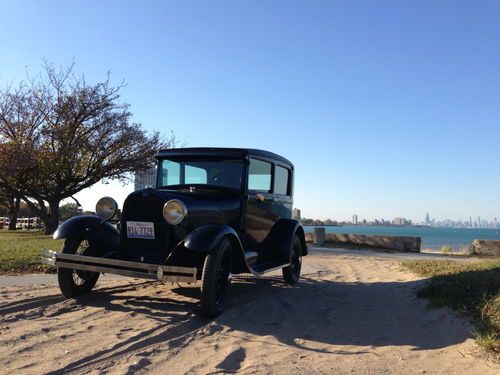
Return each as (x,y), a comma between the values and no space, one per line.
(204,206)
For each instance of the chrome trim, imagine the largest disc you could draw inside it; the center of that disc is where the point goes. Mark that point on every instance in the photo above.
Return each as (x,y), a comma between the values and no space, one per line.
(102,269)
(107,265)
(184,208)
(113,203)
(49,261)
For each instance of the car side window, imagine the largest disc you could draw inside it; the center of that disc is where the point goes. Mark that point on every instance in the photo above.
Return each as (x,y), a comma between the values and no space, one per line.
(281,180)
(259,175)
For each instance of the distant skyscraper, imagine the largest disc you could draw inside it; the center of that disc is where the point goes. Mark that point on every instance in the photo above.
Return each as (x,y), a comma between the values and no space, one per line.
(355,219)
(427,219)
(400,221)
(296,213)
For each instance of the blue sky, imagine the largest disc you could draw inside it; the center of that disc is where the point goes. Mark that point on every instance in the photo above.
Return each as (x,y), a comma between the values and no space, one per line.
(386,108)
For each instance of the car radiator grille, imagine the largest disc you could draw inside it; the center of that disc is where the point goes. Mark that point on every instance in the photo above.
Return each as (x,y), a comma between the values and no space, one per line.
(147,250)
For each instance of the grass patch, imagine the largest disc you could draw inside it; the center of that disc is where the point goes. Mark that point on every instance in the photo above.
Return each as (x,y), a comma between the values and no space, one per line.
(20,251)
(473,288)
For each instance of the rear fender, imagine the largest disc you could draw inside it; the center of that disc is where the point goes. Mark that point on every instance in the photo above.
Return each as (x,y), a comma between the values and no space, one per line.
(102,236)
(281,236)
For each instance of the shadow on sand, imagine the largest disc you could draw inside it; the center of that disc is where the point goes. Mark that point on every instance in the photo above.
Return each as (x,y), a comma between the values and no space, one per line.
(313,315)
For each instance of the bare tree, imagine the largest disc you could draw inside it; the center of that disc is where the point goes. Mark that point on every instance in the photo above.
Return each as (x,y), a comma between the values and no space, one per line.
(59,135)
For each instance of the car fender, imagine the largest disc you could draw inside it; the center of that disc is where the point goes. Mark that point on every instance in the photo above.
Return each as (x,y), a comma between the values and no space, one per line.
(205,238)
(282,234)
(100,233)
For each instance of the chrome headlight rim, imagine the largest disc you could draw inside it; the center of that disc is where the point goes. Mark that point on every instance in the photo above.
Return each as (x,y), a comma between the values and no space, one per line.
(182,213)
(106,213)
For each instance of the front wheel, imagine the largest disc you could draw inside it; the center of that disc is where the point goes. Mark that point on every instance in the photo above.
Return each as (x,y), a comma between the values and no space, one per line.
(74,283)
(216,279)
(291,274)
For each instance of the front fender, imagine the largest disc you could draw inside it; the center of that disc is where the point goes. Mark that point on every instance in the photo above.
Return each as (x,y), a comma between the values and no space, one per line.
(204,239)
(100,233)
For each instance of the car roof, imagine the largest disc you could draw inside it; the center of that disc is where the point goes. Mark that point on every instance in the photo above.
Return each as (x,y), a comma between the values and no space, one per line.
(221,151)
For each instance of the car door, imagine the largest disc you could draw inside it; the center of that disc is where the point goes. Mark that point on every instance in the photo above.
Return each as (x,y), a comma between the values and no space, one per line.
(259,215)
(282,194)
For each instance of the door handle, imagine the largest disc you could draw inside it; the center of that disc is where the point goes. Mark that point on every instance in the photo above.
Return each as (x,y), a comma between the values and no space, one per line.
(260,197)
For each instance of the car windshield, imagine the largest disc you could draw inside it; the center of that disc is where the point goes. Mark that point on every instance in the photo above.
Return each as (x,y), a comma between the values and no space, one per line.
(226,173)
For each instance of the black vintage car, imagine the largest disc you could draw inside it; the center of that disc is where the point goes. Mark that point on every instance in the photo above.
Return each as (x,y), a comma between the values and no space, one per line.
(214,212)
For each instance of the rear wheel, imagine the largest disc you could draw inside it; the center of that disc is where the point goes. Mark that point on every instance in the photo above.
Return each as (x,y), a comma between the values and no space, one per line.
(216,279)
(291,274)
(74,283)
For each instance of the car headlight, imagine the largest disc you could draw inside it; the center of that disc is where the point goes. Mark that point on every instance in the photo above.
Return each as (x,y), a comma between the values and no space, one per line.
(174,211)
(106,208)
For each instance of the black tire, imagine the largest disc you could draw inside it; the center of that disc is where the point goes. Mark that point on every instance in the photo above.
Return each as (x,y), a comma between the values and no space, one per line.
(291,274)
(216,279)
(74,283)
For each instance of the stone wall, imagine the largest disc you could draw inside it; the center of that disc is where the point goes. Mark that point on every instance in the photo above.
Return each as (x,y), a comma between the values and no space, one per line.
(399,243)
(485,247)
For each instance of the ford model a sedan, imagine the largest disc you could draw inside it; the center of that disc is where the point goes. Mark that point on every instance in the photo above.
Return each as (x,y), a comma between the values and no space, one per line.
(213,213)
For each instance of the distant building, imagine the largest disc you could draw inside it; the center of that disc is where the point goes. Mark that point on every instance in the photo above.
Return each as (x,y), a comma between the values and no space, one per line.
(296,213)
(400,221)
(143,180)
(355,219)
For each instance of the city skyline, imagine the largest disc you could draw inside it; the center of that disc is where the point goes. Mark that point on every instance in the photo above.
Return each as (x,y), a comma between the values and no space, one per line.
(479,222)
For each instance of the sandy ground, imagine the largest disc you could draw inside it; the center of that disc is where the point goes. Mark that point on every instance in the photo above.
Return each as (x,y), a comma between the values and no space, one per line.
(349,314)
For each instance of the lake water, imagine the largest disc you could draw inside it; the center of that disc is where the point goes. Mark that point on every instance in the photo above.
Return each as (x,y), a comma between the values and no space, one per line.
(432,238)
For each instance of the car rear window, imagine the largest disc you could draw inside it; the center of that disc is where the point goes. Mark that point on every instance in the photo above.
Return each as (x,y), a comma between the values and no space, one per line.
(281,179)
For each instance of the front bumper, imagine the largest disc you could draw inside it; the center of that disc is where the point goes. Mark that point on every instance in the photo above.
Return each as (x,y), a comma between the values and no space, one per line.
(120,267)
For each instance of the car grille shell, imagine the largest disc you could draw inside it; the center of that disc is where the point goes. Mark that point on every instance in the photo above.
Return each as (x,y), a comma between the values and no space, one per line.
(145,207)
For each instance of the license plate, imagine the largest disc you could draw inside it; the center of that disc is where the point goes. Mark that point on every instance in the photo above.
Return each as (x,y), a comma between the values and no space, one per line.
(140,229)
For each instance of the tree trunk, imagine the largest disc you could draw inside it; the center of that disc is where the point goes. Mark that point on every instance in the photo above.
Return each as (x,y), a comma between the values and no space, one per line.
(51,220)
(14,205)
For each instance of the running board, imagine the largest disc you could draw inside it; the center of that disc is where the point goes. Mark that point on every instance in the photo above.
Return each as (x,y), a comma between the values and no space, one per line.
(120,267)
(270,267)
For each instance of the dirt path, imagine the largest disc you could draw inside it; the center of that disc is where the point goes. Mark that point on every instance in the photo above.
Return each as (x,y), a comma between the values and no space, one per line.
(349,314)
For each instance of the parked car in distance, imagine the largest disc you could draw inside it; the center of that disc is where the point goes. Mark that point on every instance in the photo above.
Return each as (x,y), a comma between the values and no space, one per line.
(4,222)
(28,223)
(214,212)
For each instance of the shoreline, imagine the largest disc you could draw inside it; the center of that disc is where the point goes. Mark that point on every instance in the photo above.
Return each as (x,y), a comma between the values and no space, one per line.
(496,230)
(432,238)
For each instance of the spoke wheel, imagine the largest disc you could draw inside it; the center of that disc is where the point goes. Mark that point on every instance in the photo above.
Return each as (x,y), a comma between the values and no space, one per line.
(74,283)
(216,279)
(291,274)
